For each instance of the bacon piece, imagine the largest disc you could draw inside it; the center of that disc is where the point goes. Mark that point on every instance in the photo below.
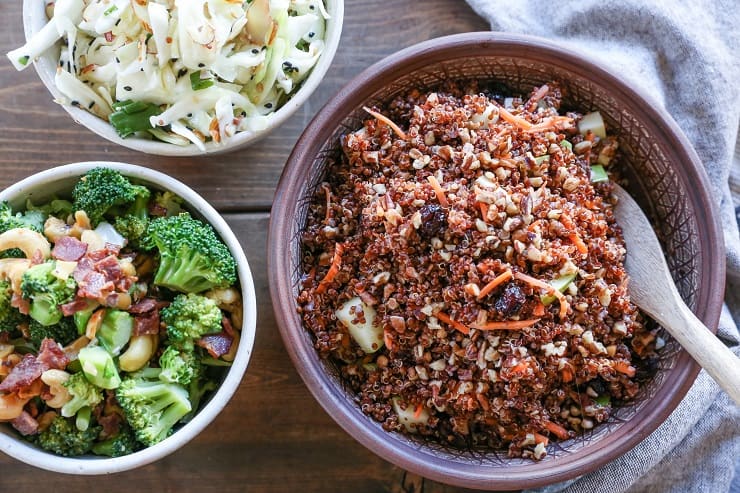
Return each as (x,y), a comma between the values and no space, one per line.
(95,286)
(84,267)
(125,283)
(144,305)
(69,309)
(23,374)
(25,424)
(216,344)
(228,328)
(107,250)
(146,323)
(51,355)
(22,304)
(110,268)
(37,258)
(111,424)
(68,248)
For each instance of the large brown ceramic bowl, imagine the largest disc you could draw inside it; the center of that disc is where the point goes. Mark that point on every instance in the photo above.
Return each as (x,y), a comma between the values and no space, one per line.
(666,176)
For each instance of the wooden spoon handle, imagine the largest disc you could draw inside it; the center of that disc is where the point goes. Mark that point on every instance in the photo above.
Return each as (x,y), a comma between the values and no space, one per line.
(706,349)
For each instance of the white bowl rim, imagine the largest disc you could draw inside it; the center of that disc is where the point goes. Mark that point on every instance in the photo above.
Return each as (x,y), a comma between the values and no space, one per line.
(34,18)
(91,465)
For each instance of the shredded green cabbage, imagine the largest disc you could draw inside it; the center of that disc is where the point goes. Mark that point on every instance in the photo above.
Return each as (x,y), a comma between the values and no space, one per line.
(213,67)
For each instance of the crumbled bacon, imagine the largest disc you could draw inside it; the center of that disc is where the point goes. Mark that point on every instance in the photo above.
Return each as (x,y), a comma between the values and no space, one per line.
(25,424)
(94,286)
(216,344)
(51,355)
(22,304)
(23,374)
(146,323)
(110,268)
(107,250)
(143,306)
(69,309)
(228,328)
(84,267)
(68,248)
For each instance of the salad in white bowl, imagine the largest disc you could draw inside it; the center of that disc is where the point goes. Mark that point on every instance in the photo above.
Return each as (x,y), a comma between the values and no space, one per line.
(180,71)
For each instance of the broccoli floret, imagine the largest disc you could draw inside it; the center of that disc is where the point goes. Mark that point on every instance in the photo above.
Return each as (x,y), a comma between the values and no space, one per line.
(46,292)
(192,258)
(31,219)
(152,407)
(10,318)
(179,366)
(199,385)
(56,207)
(132,228)
(189,317)
(62,332)
(98,366)
(62,437)
(106,191)
(167,204)
(84,395)
(123,443)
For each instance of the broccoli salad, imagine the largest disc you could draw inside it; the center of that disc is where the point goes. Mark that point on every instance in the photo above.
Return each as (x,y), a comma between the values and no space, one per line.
(119,313)
(182,71)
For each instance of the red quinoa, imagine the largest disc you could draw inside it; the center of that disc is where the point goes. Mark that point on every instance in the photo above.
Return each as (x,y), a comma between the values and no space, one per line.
(513,198)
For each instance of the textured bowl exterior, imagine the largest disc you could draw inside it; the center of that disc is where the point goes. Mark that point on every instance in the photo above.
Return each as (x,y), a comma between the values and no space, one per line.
(34,18)
(59,182)
(665,175)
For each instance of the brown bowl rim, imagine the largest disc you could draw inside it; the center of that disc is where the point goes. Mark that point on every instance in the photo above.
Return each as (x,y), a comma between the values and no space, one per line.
(688,167)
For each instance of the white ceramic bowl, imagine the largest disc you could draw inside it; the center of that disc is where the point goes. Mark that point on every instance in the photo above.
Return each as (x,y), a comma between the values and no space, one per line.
(34,18)
(59,181)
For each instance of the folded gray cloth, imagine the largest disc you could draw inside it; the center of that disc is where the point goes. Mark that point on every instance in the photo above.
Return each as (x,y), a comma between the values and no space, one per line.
(685,54)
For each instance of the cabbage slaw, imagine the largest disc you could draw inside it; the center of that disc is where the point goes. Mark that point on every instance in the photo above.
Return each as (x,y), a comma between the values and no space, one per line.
(183,71)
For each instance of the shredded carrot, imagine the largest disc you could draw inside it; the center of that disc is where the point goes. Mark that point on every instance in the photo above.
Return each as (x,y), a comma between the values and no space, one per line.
(539,310)
(499,279)
(579,243)
(506,324)
(336,264)
(520,368)
(328,203)
(543,285)
(438,191)
(541,439)
(567,374)
(517,121)
(483,210)
(567,222)
(539,94)
(387,121)
(623,367)
(556,430)
(418,411)
(454,323)
(548,124)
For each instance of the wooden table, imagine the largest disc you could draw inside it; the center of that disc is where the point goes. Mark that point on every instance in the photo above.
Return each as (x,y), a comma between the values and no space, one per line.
(273,436)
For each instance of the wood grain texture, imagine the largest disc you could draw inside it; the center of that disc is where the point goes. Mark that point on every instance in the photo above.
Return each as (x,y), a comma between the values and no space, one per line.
(273,436)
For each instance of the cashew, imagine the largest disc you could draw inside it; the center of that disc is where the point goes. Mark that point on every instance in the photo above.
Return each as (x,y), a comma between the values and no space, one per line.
(5,350)
(8,363)
(11,406)
(94,240)
(27,240)
(55,379)
(139,352)
(12,269)
(55,228)
(82,223)
(45,420)
(94,323)
(72,349)
(230,300)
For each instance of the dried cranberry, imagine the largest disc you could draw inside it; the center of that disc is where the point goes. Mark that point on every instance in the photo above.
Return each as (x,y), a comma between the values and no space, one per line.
(510,301)
(433,221)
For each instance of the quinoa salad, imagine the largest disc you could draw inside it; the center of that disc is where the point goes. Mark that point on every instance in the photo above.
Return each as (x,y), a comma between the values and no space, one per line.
(462,268)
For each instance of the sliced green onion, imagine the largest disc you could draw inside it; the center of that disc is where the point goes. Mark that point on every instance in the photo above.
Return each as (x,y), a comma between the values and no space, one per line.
(566,144)
(197,83)
(540,159)
(561,284)
(598,174)
(132,116)
(110,10)
(24,60)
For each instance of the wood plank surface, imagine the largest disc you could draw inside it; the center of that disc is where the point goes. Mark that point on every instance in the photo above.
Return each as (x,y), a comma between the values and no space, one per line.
(273,436)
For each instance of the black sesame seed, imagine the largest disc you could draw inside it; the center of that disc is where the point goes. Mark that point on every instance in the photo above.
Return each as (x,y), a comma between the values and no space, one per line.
(312,7)
(141,69)
(255,51)
(201,65)
(126,88)
(89,106)
(75,103)
(311,34)
(190,115)
(244,113)
(268,105)
(118,60)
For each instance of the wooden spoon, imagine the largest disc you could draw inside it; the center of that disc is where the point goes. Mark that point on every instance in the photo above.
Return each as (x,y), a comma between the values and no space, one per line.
(652,289)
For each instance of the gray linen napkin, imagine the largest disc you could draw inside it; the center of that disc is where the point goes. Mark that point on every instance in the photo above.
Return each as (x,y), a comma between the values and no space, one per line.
(685,54)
